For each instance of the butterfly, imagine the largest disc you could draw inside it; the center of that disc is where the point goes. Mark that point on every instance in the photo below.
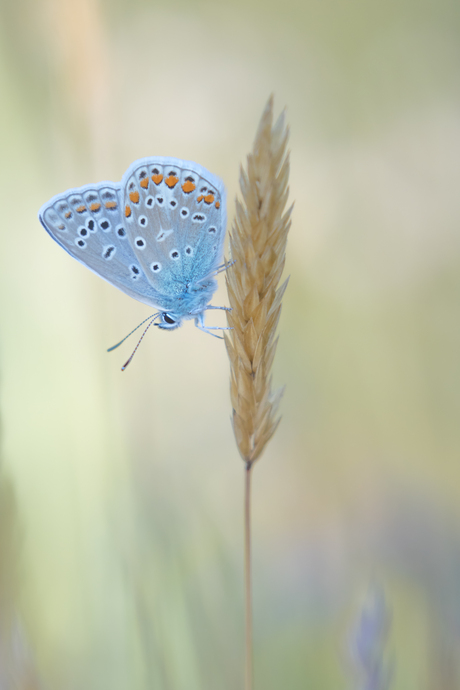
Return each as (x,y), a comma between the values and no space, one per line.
(157,235)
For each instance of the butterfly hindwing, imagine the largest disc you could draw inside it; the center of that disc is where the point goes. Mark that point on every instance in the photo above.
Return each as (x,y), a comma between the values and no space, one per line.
(88,223)
(175,218)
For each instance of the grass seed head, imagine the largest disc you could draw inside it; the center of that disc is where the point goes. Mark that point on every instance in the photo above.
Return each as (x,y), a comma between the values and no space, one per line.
(258,246)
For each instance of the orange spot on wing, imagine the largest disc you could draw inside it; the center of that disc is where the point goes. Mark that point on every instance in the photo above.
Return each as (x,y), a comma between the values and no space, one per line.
(134,196)
(68,214)
(144,183)
(111,204)
(171,181)
(217,204)
(94,207)
(127,211)
(157,178)
(200,198)
(188,187)
(209,199)
(80,209)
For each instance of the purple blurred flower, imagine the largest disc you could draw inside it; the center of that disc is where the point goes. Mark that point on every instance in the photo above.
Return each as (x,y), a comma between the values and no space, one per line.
(367,640)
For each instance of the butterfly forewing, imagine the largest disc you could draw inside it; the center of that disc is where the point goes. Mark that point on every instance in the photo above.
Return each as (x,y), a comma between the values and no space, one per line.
(88,222)
(175,218)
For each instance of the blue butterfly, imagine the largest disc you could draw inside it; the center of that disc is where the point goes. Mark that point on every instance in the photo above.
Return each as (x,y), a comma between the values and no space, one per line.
(157,236)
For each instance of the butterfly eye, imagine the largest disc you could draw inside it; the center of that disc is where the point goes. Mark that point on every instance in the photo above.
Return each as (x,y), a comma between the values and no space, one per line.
(168,319)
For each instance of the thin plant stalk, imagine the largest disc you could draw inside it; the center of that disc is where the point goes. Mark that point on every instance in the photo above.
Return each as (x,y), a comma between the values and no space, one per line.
(248,579)
(257,245)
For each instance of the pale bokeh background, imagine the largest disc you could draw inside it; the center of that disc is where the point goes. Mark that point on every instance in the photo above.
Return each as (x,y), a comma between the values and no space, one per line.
(122,553)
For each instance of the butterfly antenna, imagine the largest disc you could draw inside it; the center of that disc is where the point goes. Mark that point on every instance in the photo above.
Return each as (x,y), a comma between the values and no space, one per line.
(140,340)
(133,331)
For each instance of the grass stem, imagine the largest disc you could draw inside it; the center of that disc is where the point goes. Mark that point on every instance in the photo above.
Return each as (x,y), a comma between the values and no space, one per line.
(247,577)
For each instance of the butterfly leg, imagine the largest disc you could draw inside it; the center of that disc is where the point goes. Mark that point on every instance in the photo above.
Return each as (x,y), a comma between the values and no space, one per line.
(219,269)
(199,323)
(223,267)
(224,308)
(206,330)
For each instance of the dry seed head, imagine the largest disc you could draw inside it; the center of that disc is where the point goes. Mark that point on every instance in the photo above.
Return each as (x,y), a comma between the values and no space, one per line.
(258,245)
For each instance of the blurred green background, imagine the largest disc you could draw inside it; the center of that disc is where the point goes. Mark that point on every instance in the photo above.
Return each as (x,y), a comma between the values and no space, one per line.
(121,501)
